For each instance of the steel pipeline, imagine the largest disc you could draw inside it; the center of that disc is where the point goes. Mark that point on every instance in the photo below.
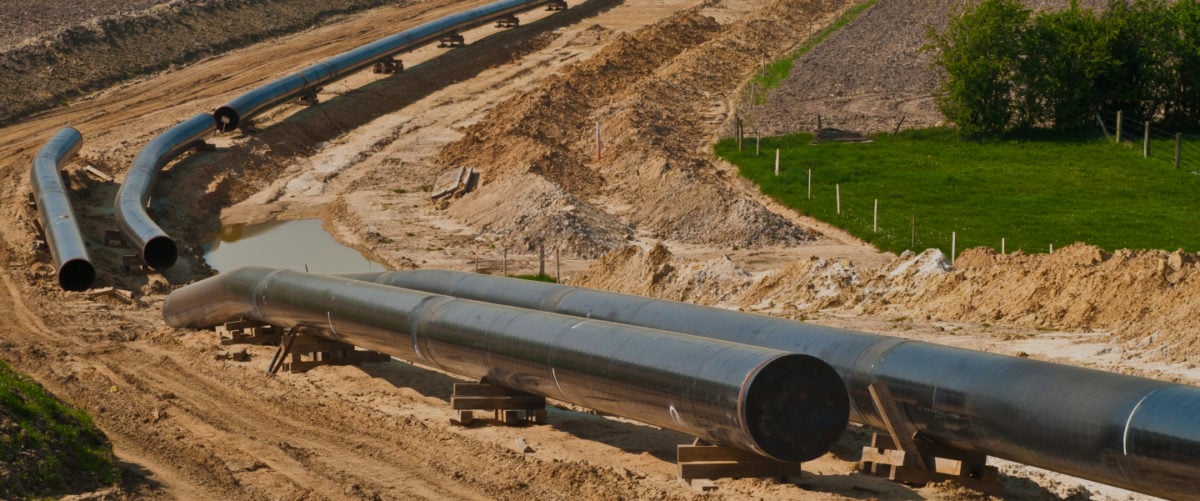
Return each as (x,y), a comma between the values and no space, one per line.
(1136,433)
(67,247)
(147,239)
(235,113)
(724,392)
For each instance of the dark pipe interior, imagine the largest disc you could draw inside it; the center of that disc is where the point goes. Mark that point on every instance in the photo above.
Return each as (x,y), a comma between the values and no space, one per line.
(226,119)
(160,253)
(796,422)
(76,275)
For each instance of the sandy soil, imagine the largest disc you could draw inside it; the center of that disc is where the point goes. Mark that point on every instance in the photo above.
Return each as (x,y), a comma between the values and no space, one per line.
(662,76)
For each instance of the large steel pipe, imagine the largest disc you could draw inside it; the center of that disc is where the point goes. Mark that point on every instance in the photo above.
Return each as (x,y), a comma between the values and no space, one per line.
(1136,433)
(235,113)
(67,247)
(145,236)
(785,406)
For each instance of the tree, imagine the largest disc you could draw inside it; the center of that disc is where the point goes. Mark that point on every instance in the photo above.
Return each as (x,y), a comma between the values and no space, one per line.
(1066,56)
(979,54)
(1183,109)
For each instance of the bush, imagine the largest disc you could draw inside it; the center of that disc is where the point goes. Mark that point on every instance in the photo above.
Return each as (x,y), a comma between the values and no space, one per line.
(1003,68)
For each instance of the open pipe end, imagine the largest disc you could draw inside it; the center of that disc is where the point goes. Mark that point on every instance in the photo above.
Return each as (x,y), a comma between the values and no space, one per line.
(796,407)
(226,119)
(160,253)
(76,275)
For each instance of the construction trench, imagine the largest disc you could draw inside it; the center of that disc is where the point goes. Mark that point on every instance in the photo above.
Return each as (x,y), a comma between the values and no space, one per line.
(935,402)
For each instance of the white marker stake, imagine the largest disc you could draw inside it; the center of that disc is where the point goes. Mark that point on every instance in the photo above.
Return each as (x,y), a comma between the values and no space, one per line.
(875,222)
(810,184)
(1002,246)
(776,162)
(838,190)
(953,246)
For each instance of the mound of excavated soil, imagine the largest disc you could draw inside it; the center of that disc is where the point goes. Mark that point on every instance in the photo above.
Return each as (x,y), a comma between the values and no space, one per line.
(1145,299)
(870,74)
(658,94)
(52,51)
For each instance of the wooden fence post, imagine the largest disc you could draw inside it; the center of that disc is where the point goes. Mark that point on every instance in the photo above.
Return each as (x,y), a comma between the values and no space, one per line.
(1146,142)
(838,190)
(875,221)
(776,162)
(810,184)
(953,246)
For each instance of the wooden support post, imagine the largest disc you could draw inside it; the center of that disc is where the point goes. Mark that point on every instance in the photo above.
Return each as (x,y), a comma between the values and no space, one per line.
(776,162)
(700,463)
(285,349)
(838,191)
(1146,142)
(757,141)
(810,184)
(1002,246)
(953,246)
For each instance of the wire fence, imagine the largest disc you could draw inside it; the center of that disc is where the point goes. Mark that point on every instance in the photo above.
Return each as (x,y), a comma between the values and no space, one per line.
(1175,149)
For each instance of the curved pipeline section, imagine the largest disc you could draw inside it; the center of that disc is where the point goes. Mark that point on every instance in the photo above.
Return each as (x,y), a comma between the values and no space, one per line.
(67,247)
(723,392)
(235,113)
(143,234)
(1136,433)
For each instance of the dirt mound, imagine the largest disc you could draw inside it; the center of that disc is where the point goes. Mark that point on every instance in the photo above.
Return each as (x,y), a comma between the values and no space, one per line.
(1143,298)
(64,54)
(871,73)
(658,93)
(654,272)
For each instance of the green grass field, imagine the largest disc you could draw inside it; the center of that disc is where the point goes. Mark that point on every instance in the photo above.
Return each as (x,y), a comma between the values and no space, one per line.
(1033,193)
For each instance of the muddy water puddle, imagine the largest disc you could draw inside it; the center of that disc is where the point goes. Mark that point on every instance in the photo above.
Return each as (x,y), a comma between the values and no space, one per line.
(301,245)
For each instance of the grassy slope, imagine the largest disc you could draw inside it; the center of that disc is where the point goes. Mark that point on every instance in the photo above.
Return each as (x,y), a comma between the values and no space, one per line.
(47,448)
(1033,193)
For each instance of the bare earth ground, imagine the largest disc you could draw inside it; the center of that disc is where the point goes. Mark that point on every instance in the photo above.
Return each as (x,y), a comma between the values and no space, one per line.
(663,77)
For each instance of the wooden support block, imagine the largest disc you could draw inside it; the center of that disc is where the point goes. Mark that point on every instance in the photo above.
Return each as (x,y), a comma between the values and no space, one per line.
(98,173)
(112,238)
(508,406)
(132,263)
(700,463)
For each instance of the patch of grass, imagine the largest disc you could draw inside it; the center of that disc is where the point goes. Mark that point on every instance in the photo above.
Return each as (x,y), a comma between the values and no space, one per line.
(774,73)
(1033,191)
(399,191)
(536,278)
(47,447)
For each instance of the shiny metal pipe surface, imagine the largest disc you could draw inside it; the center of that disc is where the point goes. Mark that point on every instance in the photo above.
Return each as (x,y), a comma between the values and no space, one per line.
(63,237)
(1136,433)
(157,248)
(236,112)
(785,406)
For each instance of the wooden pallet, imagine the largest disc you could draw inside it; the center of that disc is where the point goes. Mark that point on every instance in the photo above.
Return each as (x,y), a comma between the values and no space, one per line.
(451,40)
(701,463)
(508,22)
(508,406)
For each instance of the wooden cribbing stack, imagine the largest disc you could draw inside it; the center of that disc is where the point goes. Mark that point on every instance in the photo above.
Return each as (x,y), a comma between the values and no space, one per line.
(904,456)
(700,463)
(307,351)
(508,406)
(248,332)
